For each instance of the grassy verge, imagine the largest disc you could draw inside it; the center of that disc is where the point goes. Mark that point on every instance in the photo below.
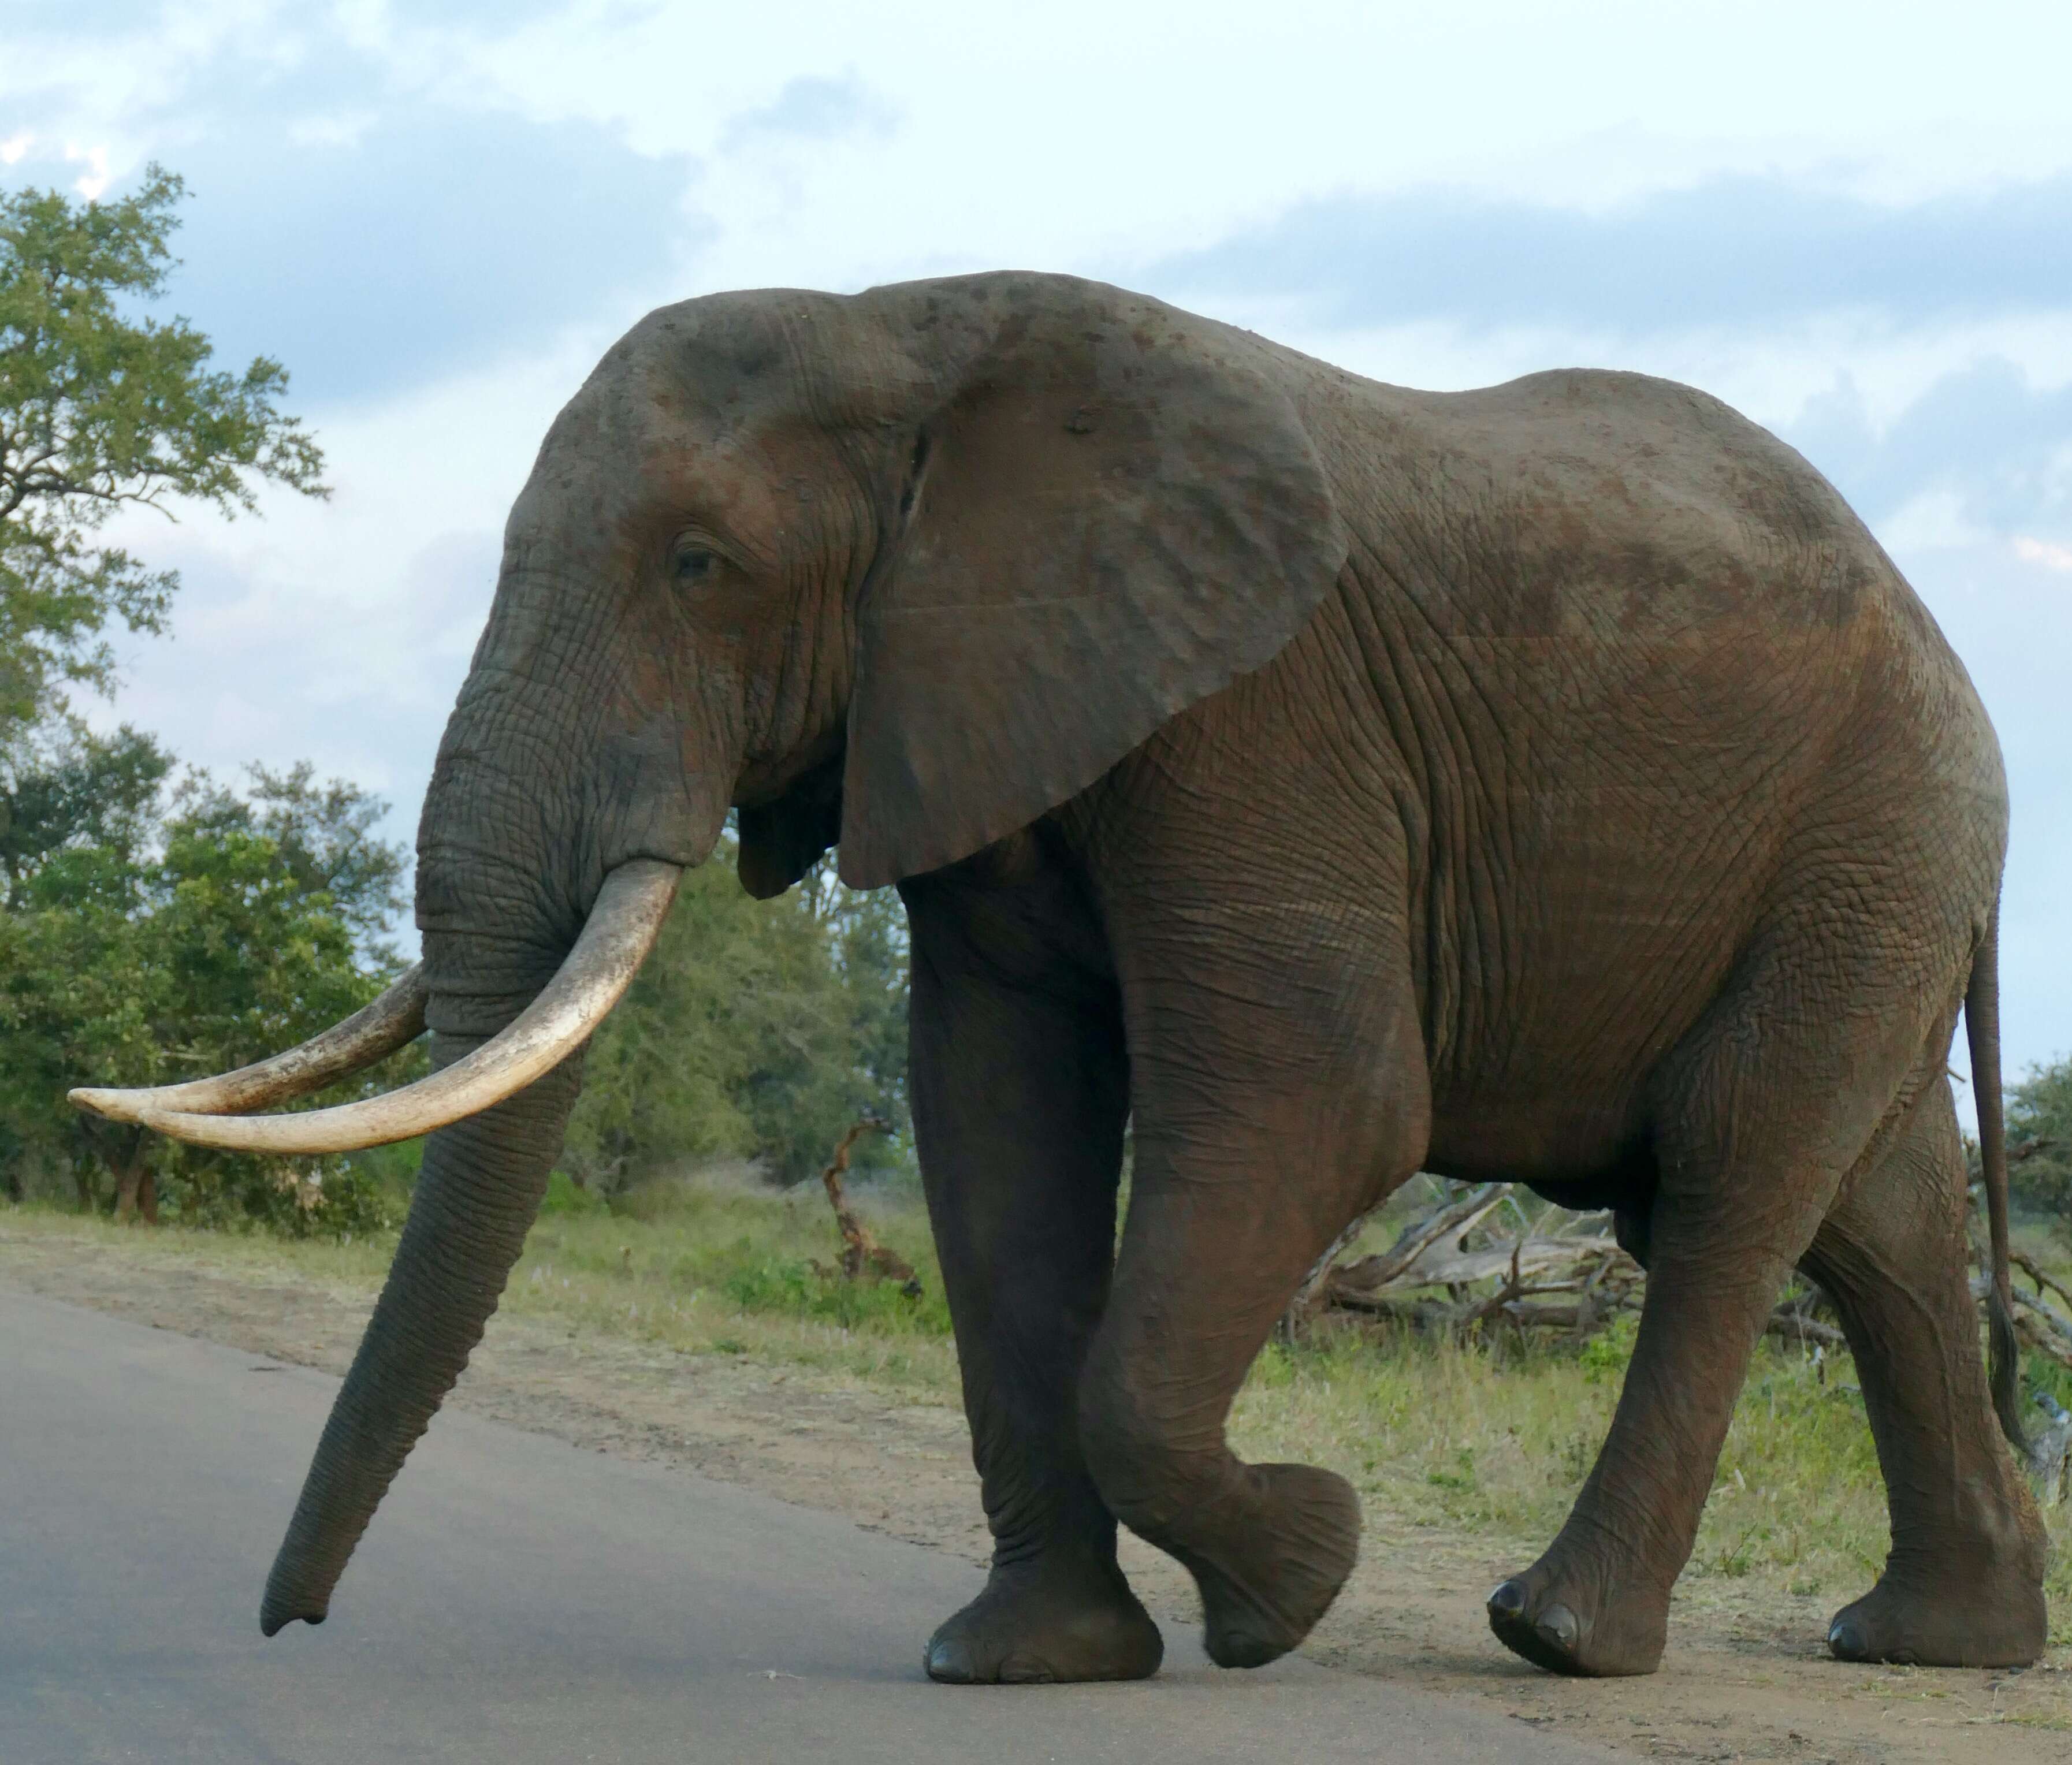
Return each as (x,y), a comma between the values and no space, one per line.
(1489,1438)
(1496,1438)
(717,1266)
(727,1267)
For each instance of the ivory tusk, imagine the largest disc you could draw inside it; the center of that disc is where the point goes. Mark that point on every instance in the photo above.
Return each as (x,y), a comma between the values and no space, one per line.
(375,1030)
(623,927)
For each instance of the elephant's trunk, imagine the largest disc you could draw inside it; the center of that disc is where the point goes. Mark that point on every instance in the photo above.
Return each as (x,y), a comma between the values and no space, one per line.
(560,816)
(477,1194)
(480,1189)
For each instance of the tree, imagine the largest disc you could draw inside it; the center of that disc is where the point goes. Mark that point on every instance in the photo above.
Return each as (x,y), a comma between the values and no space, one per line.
(148,934)
(102,410)
(759,1029)
(868,933)
(323,835)
(62,786)
(2039,1119)
(209,929)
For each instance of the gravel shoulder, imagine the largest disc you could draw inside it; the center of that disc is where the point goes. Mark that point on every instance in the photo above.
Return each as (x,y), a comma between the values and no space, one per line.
(1745,1678)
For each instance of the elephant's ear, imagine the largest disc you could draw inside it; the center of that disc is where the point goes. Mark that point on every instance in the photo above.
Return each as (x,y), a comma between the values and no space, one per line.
(1116,512)
(780,841)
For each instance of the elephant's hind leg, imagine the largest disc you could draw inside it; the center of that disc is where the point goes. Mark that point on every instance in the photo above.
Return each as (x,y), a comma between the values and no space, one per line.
(1020,1088)
(1791,1083)
(1963,1586)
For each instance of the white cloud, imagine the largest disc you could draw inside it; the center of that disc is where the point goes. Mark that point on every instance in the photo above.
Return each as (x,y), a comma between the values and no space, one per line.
(95,180)
(2051,557)
(16,145)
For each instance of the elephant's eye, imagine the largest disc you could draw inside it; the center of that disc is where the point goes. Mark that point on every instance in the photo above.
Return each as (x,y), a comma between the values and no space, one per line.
(695,564)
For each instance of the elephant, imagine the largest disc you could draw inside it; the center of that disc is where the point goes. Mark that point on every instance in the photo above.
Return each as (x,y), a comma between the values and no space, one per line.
(1319,780)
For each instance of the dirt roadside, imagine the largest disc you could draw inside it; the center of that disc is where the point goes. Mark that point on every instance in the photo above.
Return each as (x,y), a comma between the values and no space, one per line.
(1745,1678)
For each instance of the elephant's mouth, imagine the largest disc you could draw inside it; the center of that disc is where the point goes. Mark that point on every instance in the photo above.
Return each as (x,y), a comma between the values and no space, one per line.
(622,926)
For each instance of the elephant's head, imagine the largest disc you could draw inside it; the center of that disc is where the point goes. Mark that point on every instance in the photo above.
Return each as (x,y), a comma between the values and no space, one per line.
(899,572)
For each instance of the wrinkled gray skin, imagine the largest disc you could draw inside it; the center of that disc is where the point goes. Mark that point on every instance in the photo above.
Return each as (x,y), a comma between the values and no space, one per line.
(1553,781)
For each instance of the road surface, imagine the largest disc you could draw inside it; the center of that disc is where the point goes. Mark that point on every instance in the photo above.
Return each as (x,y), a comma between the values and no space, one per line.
(518,1600)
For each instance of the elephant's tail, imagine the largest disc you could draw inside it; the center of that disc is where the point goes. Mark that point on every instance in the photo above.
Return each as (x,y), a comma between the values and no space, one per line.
(1982,1031)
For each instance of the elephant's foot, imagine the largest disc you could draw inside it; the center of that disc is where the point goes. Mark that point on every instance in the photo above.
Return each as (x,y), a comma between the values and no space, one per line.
(1053,1619)
(1982,1620)
(1263,1590)
(1563,1616)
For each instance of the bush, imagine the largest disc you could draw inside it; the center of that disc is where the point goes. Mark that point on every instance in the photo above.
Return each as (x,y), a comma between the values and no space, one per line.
(328,1198)
(2039,1122)
(148,935)
(755,1030)
(564,1199)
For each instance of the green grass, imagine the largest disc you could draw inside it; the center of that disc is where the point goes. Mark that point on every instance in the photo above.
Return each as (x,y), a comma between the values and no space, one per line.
(1491,1439)
(1496,1439)
(1496,1436)
(726,1265)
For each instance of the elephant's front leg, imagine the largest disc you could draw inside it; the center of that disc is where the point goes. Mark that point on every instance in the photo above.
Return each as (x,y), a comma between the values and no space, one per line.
(1021,1092)
(1280,1089)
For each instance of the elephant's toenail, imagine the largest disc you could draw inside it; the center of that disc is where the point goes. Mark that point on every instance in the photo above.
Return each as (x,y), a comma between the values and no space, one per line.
(1846,1642)
(949,1664)
(1508,1600)
(1557,1626)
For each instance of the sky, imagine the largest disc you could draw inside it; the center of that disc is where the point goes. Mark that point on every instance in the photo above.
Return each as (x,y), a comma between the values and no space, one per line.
(1853,221)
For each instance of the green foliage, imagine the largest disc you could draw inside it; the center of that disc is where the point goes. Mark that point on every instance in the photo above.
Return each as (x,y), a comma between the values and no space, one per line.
(149,938)
(1604,1357)
(794,1288)
(62,787)
(310,1198)
(101,409)
(2039,1120)
(757,1029)
(323,840)
(564,1197)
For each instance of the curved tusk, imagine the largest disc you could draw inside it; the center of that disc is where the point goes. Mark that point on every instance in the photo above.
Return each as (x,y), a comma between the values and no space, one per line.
(375,1030)
(623,927)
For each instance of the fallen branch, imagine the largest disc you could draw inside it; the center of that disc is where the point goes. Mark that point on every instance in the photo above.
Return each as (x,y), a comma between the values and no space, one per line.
(2027,1264)
(1563,1272)
(1578,1319)
(1455,1220)
(1433,1252)
(862,1256)
(1787,1323)
(2041,1328)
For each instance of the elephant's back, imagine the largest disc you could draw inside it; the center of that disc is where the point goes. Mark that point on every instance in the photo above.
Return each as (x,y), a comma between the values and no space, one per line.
(1598,502)
(1654,687)
(1650,556)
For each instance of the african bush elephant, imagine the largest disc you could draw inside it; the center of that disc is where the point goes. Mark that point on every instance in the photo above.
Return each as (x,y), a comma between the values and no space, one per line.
(1553,782)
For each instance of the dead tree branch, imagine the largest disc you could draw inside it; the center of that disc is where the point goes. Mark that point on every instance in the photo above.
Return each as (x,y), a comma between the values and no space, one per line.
(2027,1264)
(1557,1271)
(862,1257)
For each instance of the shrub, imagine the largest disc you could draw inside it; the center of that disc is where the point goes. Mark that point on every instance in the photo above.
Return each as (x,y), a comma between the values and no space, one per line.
(2039,1121)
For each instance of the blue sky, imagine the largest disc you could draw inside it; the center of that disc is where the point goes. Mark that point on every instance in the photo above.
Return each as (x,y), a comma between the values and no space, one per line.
(1853,221)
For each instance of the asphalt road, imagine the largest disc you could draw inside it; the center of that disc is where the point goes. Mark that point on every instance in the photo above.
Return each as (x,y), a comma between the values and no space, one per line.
(520,1601)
